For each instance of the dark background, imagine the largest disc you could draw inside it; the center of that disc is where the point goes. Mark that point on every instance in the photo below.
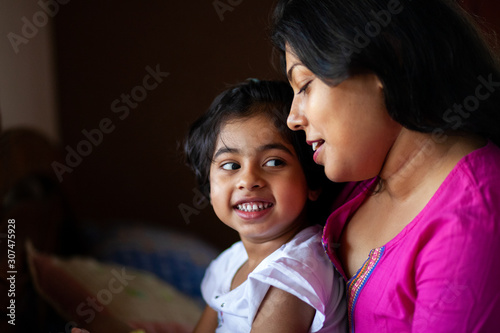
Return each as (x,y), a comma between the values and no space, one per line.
(136,173)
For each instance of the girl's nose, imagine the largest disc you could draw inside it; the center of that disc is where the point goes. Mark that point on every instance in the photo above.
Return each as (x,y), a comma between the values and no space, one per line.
(250,179)
(296,120)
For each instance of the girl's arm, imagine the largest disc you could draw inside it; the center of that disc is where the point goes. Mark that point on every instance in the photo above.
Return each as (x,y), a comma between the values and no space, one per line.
(208,321)
(282,312)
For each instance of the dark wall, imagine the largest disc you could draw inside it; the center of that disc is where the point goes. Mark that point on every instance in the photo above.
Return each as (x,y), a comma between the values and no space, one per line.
(488,14)
(105,51)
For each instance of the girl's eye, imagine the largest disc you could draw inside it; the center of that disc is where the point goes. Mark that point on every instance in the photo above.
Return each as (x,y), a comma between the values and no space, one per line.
(274,163)
(231,166)
(304,87)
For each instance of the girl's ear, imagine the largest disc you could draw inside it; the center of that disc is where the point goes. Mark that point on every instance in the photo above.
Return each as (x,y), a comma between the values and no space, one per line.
(313,195)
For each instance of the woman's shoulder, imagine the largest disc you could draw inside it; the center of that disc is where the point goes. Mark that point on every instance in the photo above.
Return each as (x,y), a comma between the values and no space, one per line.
(482,163)
(468,200)
(476,177)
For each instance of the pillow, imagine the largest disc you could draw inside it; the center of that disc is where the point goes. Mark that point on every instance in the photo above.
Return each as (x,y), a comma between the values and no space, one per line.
(173,256)
(94,294)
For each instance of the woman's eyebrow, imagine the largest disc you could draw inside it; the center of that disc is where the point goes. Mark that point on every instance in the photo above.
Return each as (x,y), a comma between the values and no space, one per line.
(290,70)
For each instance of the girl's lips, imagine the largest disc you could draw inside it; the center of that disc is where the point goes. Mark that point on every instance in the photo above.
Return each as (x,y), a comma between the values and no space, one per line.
(253,215)
(251,210)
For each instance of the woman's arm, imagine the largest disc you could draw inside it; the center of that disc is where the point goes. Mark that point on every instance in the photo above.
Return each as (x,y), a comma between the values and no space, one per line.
(282,312)
(208,321)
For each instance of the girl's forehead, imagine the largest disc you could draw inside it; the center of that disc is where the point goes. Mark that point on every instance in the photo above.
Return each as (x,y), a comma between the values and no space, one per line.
(258,127)
(251,132)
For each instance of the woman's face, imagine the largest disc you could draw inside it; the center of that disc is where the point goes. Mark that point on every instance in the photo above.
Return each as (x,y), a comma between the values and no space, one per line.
(347,125)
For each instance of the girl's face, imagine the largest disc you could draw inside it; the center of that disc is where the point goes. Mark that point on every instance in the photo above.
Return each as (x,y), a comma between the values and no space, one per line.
(257,185)
(347,125)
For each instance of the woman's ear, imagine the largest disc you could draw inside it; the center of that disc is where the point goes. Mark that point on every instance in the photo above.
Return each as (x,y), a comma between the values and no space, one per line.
(313,195)
(380,85)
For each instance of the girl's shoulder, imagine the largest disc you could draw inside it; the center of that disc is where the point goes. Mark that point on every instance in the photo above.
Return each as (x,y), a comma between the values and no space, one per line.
(227,263)
(304,254)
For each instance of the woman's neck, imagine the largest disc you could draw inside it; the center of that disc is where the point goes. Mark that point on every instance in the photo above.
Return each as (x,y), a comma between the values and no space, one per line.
(419,161)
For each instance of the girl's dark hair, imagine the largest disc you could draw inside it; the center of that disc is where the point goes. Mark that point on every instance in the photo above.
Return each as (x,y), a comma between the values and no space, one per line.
(244,100)
(438,72)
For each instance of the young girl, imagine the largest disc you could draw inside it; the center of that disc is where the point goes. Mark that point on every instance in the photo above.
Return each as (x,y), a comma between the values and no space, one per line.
(262,183)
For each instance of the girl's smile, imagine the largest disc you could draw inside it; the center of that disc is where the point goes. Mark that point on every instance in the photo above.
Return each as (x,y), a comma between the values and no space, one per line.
(257,184)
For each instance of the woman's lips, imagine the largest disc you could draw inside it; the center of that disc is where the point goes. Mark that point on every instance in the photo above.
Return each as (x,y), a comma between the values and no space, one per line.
(315,156)
(316,147)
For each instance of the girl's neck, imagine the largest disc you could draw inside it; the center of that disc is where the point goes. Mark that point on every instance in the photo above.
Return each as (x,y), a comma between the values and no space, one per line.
(259,250)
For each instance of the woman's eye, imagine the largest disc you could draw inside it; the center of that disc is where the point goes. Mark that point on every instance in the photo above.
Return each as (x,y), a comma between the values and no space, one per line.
(304,88)
(274,163)
(230,166)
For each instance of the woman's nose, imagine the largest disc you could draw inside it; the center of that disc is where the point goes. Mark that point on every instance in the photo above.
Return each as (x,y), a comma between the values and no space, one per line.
(250,179)
(296,120)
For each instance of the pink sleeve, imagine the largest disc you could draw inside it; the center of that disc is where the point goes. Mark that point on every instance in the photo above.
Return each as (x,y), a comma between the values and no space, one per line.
(458,276)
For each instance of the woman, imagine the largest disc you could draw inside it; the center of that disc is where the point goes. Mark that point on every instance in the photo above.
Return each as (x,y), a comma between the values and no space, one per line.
(400,100)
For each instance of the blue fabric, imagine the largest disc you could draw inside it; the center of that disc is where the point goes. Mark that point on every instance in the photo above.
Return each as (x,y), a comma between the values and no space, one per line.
(178,259)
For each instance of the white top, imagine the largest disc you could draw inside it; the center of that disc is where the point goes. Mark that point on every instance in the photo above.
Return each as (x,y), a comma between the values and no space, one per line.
(299,267)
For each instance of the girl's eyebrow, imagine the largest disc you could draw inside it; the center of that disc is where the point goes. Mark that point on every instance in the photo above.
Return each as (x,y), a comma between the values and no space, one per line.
(275,146)
(225,150)
(269,146)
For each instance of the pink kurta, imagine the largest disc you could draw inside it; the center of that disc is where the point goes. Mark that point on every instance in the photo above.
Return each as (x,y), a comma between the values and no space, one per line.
(441,273)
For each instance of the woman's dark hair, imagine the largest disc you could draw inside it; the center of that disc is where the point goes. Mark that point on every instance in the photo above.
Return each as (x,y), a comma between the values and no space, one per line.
(244,100)
(438,72)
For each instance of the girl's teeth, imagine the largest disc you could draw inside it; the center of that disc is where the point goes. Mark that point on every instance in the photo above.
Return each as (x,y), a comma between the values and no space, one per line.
(253,207)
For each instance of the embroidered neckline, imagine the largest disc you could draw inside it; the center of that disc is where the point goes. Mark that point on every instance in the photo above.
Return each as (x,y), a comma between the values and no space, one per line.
(358,280)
